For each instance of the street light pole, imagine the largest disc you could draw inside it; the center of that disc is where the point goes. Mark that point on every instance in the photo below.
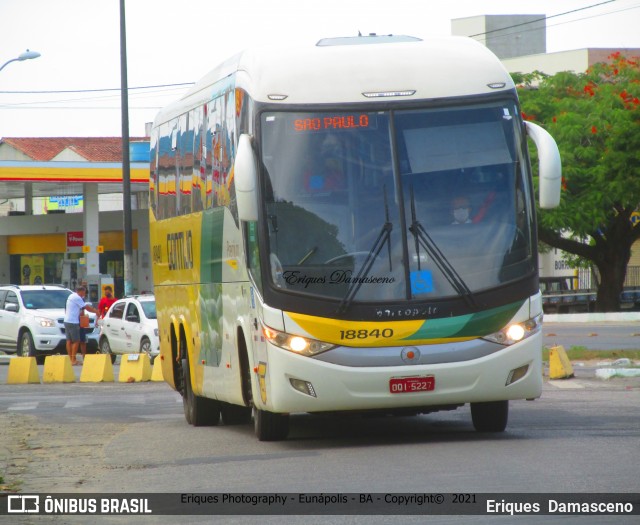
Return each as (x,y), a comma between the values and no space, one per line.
(27,55)
(126,167)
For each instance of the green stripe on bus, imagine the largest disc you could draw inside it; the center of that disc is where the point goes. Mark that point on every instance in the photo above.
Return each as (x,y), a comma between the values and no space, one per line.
(211,246)
(211,322)
(471,325)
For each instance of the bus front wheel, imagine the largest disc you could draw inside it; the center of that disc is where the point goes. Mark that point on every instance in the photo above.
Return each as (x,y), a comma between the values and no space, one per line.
(490,416)
(270,426)
(198,411)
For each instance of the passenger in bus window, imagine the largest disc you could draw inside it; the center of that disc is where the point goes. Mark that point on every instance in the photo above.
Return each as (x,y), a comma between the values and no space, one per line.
(461,210)
(326,172)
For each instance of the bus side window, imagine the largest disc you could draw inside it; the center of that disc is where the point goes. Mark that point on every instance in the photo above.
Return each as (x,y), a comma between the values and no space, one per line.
(198,162)
(166,171)
(185,165)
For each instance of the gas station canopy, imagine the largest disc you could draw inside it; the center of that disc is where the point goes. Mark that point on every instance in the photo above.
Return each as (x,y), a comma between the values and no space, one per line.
(61,165)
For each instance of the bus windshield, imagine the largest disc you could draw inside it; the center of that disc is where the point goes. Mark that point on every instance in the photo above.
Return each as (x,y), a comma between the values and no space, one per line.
(416,204)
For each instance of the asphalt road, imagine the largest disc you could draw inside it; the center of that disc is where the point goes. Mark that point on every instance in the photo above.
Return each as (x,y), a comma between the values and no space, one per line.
(594,336)
(581,436)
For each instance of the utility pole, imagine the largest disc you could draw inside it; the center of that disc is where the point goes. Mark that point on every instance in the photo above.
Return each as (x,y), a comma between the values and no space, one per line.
(126,164)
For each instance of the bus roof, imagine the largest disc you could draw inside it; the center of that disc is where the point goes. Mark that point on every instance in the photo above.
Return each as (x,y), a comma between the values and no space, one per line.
(340,72)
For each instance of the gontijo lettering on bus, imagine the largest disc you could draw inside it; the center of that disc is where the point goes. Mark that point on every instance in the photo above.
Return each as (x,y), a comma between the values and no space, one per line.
(180,250)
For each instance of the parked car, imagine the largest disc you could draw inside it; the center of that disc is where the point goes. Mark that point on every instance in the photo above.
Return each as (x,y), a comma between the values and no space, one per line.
(130,326)
(32,321)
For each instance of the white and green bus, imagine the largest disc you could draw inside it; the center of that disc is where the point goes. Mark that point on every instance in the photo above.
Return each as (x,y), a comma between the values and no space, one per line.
(349,227)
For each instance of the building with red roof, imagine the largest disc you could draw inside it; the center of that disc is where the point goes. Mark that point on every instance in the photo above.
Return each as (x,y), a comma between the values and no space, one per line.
(57,190)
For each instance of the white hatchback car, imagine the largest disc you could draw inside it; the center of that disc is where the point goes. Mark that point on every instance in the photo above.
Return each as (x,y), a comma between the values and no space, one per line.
(129,327)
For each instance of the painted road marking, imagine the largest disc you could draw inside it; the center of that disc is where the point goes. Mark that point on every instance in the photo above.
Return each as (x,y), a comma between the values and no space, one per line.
(566,384)
(77,403)
(24,406)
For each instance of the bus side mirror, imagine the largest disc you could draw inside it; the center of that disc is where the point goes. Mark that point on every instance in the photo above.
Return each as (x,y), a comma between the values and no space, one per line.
(549,165)
(246,177)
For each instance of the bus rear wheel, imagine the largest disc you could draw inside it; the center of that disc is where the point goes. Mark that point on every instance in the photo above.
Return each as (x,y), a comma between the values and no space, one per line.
(198,411)
(270,426)
(490,416)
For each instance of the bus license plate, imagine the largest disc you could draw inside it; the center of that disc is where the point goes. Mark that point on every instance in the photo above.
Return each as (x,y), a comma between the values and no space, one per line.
(403,385)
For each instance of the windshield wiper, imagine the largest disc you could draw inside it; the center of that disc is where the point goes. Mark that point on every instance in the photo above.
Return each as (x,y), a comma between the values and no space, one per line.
(383,238)
(423,239)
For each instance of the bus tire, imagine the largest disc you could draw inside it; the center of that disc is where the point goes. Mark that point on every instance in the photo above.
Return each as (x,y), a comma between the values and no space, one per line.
(235,414)
(198,411)
(490,416)
(270,426)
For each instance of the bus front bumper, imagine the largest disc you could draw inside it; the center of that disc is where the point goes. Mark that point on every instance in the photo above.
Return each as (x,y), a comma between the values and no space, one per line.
(343,388)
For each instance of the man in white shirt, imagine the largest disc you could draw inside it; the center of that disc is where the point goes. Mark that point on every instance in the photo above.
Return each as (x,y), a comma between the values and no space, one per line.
(75,304)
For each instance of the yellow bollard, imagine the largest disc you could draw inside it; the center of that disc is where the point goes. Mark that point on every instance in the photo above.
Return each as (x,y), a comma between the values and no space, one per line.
(57,369)
(156,374)
(23,370)
(559,364)
(97,368)
(134,368)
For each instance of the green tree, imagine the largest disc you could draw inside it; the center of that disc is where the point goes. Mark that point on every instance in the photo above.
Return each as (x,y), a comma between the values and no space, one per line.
(595,119)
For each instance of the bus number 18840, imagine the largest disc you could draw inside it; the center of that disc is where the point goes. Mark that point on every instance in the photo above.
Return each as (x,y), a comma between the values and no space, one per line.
(366,334)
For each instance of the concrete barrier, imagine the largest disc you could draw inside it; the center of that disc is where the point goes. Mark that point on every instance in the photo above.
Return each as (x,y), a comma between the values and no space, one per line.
(156,374)
(559,364)
(97,368)
(134,368)
(23,370)
(610,317)
(57,369)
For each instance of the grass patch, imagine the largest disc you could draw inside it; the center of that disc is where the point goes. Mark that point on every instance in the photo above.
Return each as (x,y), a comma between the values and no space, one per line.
(581,353)
(9,487)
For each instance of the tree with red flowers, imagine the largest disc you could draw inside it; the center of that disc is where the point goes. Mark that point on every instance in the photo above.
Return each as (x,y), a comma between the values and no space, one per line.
(595,119)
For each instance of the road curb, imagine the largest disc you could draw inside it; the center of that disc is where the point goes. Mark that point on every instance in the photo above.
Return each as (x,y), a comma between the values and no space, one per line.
(609,317)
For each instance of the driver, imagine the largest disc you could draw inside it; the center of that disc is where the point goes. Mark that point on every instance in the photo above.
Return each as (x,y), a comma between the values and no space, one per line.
(461,210)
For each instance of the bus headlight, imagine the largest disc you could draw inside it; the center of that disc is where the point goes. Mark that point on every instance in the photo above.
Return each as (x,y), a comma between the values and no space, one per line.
(295,343)
(516,332)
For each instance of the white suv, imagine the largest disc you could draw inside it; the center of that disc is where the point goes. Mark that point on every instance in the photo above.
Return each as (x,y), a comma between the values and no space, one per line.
(32,321)
(130,327)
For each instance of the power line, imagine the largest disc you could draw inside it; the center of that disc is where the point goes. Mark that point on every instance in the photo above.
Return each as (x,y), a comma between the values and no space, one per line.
(161,93)
(158,93)
(493,38)
(544,18)
(79,107)
(563,23)
(181,84)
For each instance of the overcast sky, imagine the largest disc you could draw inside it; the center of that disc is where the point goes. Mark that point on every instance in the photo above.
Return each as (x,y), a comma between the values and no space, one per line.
(173,42)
